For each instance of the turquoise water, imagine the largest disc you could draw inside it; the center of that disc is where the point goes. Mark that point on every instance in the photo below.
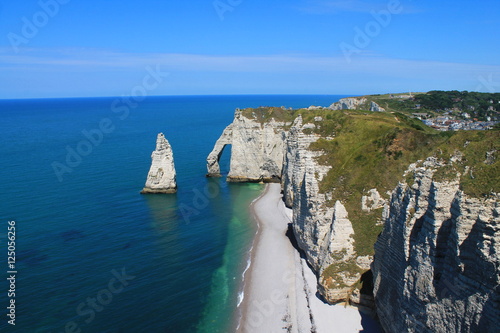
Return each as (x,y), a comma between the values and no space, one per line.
(93,255)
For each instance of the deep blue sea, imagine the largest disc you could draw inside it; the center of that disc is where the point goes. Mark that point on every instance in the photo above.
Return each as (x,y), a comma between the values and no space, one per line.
(94,255)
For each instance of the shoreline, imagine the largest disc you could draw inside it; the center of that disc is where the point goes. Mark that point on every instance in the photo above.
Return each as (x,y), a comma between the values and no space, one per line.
(250,259)
(279,288)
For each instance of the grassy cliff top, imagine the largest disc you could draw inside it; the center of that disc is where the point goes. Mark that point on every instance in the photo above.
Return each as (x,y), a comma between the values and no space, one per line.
(372,150)
(369,150)
(266,113)
(435,103)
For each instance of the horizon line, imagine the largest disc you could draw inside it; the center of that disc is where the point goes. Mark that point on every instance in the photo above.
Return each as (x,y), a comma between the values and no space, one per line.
(243,94)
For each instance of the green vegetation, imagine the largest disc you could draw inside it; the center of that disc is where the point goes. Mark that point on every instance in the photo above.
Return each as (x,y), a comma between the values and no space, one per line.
(264,114)
(373,149)
(478,105)
(435,103)
(369,150)
(479,165)
(333,273)
(473,102)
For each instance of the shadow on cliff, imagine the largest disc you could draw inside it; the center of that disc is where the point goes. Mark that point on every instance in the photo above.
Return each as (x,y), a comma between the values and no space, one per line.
(369,324)
(366,308)
(291,236)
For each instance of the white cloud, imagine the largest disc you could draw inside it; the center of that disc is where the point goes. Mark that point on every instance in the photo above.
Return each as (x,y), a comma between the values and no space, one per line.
(233,74)
(76,59)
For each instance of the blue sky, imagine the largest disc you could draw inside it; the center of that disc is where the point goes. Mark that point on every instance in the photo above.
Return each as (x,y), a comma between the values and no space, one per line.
(73,48)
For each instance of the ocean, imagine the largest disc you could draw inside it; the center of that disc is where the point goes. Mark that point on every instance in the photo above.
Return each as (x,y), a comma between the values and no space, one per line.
(94,255)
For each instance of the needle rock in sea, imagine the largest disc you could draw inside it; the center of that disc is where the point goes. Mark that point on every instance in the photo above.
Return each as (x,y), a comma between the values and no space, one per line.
(162,175)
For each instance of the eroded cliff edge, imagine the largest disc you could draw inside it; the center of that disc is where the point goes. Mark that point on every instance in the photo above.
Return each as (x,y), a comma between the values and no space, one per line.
(437,260)
(342,172)
(256,149)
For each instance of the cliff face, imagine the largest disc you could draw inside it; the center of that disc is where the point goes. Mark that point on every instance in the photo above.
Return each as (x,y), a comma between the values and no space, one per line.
(256,150)
(355,103)
(323,232)
(349,103)
(162,176)
(437,261)
(273,150)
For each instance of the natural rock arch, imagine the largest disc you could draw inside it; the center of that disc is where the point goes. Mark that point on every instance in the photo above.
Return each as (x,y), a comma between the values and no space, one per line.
(214,157)
(256,150)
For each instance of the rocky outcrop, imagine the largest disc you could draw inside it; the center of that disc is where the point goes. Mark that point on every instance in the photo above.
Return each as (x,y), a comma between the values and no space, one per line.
(337,285)
(256,150)
(436,265)
(312,219)
(356,103)
(374,107)
(323,232)
(272,151)
(269,151)
(213,158)
(161,177)
(437,261)
(373,200)
(350,103)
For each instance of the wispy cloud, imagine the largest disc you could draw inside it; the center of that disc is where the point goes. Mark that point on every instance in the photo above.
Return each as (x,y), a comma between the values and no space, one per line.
(103,70)
(84,59)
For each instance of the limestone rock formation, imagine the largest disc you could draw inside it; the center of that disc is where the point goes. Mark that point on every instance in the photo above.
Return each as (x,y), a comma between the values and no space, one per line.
(337,285)
(350,103)
(272,151)
(312,219)
(372,201)
(256,150)
(161,177)
(437,261)
(324,233)
(355,103)
(374,107)
(213,158)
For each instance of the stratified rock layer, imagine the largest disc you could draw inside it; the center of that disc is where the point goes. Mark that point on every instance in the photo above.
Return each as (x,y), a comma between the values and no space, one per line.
(349,103)
(324,233)
(161,177)
(374,107)
(256,150)
(437,261)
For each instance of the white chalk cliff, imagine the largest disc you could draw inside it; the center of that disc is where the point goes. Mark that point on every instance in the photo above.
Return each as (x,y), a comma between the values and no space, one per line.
(275,151)
(355,103)
(374,107)
(437,261)
(324,233)
(349,103)
(162,176)
(256,150)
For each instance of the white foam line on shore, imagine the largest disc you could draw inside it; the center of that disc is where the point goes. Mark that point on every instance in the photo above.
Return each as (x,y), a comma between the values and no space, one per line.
(279,288)
(241,294)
